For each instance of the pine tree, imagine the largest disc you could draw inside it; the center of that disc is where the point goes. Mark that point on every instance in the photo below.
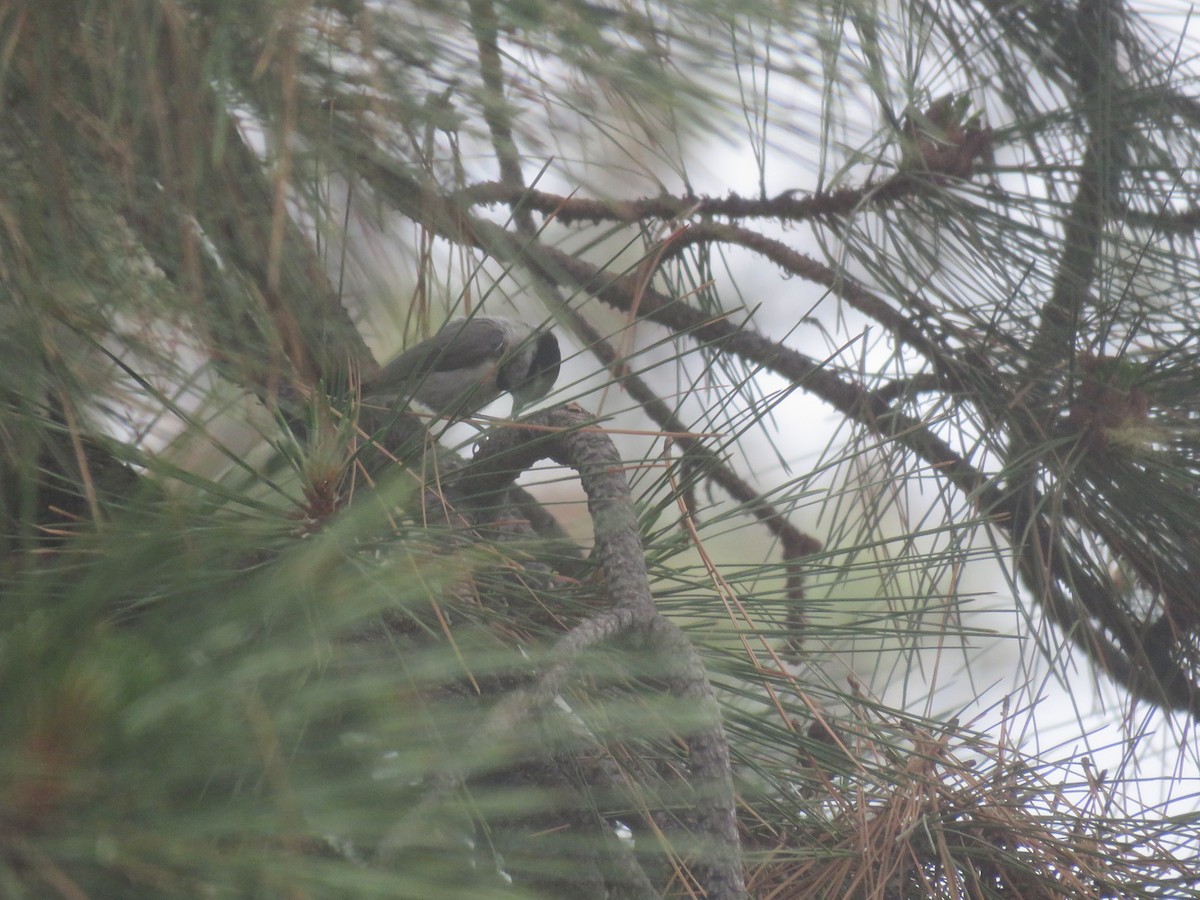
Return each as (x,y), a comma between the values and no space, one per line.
(263,637)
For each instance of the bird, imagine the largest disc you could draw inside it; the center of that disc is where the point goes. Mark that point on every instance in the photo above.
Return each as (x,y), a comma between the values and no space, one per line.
(468,364)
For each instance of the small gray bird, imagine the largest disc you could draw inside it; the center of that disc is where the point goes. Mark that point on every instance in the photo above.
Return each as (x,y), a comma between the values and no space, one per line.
(467,365)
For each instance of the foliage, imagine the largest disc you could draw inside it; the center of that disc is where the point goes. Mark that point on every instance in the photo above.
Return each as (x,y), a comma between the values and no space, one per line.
(259,638)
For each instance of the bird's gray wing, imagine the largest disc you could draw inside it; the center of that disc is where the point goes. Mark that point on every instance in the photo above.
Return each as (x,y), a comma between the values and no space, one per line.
(474,341)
